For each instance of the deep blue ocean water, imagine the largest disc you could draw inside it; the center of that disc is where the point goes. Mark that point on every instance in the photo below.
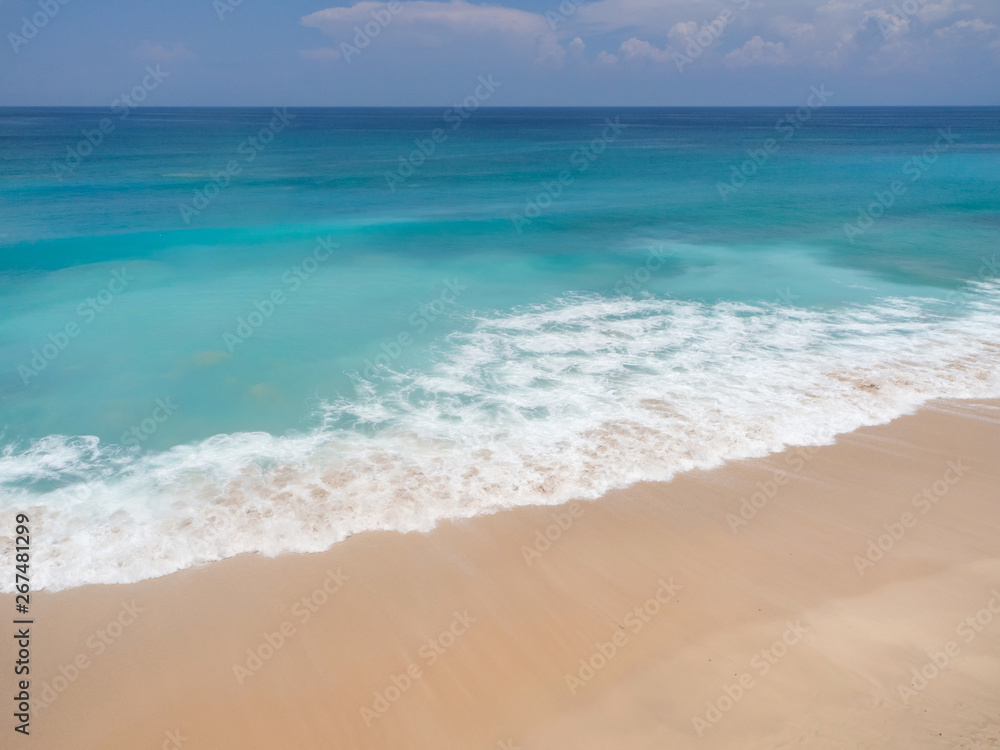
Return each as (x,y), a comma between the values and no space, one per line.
(225,330)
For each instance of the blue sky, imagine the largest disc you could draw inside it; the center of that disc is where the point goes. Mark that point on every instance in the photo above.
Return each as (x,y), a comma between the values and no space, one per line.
(423,52)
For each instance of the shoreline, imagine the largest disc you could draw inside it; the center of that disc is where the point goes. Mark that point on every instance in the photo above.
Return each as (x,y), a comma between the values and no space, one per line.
(741,606)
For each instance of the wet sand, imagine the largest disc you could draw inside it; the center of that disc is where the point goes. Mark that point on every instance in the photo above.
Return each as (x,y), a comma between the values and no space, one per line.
(775,602)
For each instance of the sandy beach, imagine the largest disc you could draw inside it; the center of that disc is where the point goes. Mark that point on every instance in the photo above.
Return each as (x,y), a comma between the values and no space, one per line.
(834,597)
(536,375)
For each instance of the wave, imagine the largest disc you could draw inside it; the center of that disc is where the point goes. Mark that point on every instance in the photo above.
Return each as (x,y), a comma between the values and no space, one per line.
(537,406)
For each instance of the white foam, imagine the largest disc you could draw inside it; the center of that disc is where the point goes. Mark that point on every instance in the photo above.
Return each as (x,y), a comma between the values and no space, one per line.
(536,407)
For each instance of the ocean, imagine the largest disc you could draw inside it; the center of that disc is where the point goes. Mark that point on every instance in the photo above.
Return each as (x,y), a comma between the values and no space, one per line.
(267,329)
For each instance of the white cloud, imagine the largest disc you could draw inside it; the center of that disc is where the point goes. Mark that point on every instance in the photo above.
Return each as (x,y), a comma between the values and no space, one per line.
(606,58)
(147,50)
(457,15)
(603,16)
(790,29)
(933,12)
(549,50)
(680,32)
(819,33)
(977,25)
(431,23)
(637,49)
(757,52)
(891,26)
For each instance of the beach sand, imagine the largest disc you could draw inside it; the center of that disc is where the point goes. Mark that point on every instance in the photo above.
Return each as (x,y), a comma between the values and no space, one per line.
(656,617)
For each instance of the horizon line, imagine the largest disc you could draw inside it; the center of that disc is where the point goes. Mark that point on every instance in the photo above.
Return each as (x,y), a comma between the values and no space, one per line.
(500,107)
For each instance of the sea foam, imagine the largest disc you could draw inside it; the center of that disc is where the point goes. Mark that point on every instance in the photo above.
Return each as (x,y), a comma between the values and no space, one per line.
(537,406)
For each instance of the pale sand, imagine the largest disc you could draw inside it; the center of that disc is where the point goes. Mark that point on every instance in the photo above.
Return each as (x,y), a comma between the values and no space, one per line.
(503,682)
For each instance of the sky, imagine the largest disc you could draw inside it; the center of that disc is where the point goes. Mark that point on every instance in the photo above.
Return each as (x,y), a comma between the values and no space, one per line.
(532,52)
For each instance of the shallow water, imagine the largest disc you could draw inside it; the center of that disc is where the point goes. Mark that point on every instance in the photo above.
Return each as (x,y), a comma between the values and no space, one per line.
(376,320)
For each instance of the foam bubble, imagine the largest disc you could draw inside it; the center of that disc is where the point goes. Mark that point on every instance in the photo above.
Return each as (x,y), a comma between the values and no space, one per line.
(538,406)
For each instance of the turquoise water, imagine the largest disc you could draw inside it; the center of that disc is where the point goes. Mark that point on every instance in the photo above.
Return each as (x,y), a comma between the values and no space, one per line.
(252,329)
